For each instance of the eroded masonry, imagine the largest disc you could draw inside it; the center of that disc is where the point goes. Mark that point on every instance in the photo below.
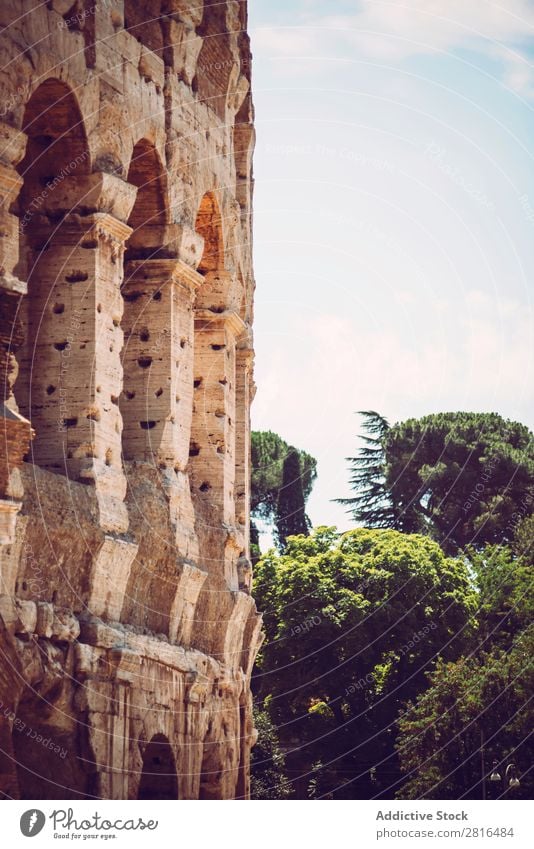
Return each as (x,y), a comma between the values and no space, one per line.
(127,628)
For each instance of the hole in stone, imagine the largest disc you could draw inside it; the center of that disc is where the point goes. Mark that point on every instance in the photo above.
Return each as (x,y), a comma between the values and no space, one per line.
(116,322)
(131,297)
(60,346)
(144,362)
(114,399)
(220,449)
(99,307)
(76,277)
(194,449)
(219,414)
(129,395)
(54,597)
(156,296)
(144,335)
(204,487)
(147,425)
(177,398)
(182,342)
(197,382)
(90,244)
(82,346)
(99,389)
(224,381)
(111,349)
(109,457)
(217,347)
(50,390)
(24,585)
(159,392)
(59,308)
(93,416)
(70,422)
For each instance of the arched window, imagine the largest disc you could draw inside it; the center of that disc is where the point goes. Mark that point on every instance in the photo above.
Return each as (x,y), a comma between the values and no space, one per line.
(158,778)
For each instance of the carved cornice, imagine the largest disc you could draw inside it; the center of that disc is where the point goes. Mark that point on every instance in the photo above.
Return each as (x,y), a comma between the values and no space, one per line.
(230,320)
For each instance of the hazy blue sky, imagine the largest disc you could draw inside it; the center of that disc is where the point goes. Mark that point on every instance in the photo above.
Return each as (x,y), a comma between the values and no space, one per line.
(394,217)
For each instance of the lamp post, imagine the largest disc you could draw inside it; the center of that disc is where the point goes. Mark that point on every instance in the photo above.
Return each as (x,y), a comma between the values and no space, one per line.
(510,775)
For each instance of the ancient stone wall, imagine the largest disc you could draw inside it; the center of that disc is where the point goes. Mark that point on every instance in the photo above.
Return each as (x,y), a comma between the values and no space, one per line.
(127,628)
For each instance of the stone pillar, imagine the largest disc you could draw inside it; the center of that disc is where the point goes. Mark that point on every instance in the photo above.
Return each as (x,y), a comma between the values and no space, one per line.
(212,450)
(244,362)
(158,324)
(71,377)
(15,431)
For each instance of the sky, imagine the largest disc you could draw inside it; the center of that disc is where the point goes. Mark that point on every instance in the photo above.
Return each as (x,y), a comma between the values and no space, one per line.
(393,218)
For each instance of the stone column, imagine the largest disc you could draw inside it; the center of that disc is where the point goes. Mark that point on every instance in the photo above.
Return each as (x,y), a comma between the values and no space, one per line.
(244,362)
(156,404)
(15,431)
(71,377)
(212,451)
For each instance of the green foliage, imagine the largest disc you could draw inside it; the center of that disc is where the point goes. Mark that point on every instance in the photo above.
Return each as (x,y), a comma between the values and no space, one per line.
(292,519)
(462,478)
(440,736)
(371,505)
(267,765)
(352,623)
(506,595)
(282,480)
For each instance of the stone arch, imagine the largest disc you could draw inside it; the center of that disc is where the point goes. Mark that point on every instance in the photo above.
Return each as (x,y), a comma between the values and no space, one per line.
(57,156)
(159,779)
(143,21)
(147,174)
(51,763)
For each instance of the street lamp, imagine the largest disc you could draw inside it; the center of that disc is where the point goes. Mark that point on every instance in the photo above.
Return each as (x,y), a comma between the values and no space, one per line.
(511,775)
(495,774)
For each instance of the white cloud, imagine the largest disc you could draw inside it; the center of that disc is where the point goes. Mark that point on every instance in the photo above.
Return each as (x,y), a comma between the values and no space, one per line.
(393,30)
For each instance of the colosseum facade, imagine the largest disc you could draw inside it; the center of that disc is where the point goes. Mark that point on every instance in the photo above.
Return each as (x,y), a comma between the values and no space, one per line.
(127,628)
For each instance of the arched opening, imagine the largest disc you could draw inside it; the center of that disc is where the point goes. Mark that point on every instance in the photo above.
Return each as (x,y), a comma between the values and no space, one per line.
(143,21)
(54,315)
(158,778)
(46,753)
(209,224)
(146,398)
(146,173)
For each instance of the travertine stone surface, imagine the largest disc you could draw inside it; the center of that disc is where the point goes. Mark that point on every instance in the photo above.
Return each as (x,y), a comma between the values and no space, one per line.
(127,627)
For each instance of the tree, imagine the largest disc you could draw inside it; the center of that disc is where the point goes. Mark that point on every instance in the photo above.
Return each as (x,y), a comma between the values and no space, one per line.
(482,700)
(291,512)
(268,779)
(353,621)
(488,692)
(281,504)
(462,478)
(371,505)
